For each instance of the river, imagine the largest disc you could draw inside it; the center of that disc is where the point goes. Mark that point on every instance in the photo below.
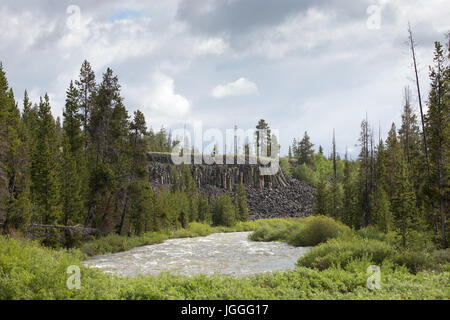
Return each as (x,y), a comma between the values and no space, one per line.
(219,253)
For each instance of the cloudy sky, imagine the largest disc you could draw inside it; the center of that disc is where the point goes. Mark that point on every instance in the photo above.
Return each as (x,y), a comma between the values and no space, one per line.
(303,65)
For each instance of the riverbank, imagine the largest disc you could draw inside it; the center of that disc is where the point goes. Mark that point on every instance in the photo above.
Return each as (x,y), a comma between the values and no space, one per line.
(334,269)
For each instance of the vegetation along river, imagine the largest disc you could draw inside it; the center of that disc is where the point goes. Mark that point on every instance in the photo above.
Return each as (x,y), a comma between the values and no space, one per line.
(219,253)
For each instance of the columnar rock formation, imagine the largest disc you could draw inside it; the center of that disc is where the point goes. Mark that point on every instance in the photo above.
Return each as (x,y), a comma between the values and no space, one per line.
(267,196)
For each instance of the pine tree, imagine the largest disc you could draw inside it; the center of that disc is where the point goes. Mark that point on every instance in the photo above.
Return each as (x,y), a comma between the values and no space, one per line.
(71,187)
(438,134)
(321,197)
(349,215)
(335,191)
(364,176)
(73,168)
(320,150)
(382,214)
(223,212)
(403,199)
(204,208)
(409,134)
(72,120)
(142,207)
(14,182)
(44,173)
(305,150)
(335,199)
(190,188)
(241,204)
(381,206)
(138,172)
(86,90)
(263,139)
(174,180)
(393,150)
(295,148)
(108,154)
(29,118)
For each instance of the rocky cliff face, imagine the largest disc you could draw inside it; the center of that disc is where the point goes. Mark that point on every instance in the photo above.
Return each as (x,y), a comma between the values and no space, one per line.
(267,196)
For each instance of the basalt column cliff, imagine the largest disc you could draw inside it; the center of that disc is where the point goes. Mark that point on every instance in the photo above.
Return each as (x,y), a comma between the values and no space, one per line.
(267,196)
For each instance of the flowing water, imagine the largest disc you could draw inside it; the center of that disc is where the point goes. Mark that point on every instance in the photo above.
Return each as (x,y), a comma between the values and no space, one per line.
(218,253)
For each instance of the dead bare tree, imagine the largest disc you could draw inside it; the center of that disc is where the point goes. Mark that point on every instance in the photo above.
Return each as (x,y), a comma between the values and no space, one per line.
(412,45)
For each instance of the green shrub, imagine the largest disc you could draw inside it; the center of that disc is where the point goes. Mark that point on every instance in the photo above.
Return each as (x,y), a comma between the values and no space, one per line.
(299,232)
(315,230)
(340,252)
(30,271)
(371,232)
(200,229)
(114,243)
(413,260)
(274,230)
(441,256)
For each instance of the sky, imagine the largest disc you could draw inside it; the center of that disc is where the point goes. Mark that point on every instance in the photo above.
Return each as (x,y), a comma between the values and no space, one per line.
(312,65)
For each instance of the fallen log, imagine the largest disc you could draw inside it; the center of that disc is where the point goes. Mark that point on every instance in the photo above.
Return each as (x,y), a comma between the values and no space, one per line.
(66,228)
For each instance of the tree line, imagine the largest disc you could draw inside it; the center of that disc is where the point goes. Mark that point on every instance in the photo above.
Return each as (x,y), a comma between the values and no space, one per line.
(399,184)
(90,169)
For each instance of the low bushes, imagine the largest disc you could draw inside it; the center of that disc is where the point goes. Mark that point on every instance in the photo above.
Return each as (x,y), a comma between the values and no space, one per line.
(299,232)
(30,271)
(340,252)
(366,245)
(115,243)
(274,229)
(315,230)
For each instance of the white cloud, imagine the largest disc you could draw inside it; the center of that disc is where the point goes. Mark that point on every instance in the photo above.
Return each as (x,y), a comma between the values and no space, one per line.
(157,97)
(212,45)
(241,86)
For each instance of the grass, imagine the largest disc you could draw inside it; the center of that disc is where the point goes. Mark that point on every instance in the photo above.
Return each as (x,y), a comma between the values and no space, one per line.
(333,269)
(374,248)
(299,232)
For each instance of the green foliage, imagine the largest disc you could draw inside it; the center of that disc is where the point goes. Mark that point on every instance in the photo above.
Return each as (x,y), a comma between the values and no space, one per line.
(223,212)
(373,247)
(437,122)
(274,229)
(286,166)
(315,230)
(304,151)
(382,215)
(114,243)
(403,200)
(30,271)
(240,204)
(341,252)
(298,232)
(321,197)
(15,205)
(44,167)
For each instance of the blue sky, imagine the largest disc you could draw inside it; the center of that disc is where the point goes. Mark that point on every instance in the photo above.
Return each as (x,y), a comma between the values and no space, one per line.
(126,14)
(301,65)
